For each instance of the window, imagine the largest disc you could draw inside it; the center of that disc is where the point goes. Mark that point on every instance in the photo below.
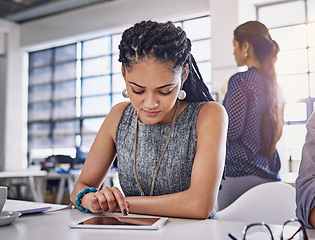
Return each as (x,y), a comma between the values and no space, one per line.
(201,45)
(295,34)
(72,88)
(52,119)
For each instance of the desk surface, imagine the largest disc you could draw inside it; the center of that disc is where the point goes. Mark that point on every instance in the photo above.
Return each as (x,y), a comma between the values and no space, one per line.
(37,181)
(54,225)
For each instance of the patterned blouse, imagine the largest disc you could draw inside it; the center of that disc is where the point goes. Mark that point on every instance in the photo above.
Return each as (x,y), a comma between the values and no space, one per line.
(244,102)
(175,171)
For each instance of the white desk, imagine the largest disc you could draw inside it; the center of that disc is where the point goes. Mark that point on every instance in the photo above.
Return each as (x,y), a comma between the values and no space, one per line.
(290,178)
(54,225)
(35,180)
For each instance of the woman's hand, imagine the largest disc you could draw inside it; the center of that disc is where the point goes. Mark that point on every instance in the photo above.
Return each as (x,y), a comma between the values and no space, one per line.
(106,200)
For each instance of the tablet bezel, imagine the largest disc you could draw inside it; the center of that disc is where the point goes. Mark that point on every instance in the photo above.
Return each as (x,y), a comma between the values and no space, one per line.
(155,226)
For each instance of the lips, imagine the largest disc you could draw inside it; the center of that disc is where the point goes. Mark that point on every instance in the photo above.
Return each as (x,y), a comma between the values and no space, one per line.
(151,113)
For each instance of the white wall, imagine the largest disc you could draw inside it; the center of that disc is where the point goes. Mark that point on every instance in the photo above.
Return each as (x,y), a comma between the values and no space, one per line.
(13,101)
(3,76)
(105,17)
(224,17)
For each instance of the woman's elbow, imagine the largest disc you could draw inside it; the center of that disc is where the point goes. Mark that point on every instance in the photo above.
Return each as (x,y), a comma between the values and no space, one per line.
(202,210)
(202,213)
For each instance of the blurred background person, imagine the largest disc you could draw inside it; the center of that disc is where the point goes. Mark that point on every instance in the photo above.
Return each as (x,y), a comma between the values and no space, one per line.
(254,104)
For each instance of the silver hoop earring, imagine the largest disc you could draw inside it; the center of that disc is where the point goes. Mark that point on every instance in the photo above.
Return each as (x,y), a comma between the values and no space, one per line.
(181,95)
(125,93)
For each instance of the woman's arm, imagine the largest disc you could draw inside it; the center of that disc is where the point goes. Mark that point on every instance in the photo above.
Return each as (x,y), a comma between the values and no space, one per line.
(199,200)
(96,166)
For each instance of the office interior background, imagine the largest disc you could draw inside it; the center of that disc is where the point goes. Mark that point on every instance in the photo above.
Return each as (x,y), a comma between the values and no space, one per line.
(59,75)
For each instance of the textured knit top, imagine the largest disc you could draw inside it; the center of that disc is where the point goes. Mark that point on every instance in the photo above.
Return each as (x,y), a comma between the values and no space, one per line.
(244,102)
(175,171)
(305,182)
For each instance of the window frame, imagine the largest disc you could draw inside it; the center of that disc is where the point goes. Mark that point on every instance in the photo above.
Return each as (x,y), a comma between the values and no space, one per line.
(308,101)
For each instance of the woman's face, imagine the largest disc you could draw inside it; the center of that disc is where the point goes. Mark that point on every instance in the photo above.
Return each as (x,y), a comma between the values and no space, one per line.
(239,54)
(153,89)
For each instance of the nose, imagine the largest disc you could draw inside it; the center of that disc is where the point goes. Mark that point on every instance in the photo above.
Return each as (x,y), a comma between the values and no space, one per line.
(151,101)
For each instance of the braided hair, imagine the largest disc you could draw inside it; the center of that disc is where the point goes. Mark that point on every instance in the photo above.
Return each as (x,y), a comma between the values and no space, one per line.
(167,44)
(266,50)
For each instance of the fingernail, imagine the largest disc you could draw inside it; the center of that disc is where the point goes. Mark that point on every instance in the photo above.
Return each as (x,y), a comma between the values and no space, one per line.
(125,212)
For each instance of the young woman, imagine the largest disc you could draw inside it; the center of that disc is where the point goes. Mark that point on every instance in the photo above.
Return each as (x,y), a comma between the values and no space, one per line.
(170,147)
(255,108)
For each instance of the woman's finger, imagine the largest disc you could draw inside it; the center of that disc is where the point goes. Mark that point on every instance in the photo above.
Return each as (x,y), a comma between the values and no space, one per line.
(121,201)
(95,206)
(102,201)
(110,198)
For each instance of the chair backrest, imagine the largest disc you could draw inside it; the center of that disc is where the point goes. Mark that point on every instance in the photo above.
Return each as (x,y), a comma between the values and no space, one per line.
(272,203)
(53,161)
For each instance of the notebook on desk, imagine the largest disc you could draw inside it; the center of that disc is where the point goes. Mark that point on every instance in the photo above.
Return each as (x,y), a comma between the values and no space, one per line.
(25,207)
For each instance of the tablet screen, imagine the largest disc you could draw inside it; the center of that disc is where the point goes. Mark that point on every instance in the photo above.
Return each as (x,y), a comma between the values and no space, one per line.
(120,221)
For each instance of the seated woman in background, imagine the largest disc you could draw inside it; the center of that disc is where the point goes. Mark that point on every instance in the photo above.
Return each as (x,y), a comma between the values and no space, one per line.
(170,139)
(305,182)
(255,109)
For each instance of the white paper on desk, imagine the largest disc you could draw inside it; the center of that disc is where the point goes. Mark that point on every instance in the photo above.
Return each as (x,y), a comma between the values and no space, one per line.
(25,207)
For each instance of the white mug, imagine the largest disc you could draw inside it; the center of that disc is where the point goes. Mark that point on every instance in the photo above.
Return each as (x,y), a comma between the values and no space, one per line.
(3,196)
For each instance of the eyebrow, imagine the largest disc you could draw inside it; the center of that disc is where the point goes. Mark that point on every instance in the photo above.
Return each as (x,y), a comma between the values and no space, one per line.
(166,85)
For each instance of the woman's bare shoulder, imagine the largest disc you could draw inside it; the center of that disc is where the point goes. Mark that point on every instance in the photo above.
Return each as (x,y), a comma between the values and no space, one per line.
(213,110)
(112,119)
(212,116)
(118,109)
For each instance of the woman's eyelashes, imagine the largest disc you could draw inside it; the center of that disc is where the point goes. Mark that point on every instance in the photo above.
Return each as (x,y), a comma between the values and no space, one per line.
(160,92)
(137,92)
(166,93)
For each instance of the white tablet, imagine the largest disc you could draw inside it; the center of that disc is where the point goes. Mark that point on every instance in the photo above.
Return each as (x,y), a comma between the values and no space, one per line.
(137,223)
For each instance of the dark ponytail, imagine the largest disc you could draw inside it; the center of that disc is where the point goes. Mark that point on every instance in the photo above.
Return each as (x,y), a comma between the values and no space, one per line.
(266,50)
(167,44)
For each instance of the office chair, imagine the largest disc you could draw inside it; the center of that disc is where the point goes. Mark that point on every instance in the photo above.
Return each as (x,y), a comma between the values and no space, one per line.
(53,163)
(272,202)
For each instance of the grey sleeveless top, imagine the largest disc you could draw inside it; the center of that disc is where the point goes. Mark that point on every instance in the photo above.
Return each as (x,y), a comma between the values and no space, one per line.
(175,171)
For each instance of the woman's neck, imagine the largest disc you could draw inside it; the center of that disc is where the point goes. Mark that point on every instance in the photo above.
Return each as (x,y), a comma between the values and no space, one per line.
(252,60)
(253,63)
